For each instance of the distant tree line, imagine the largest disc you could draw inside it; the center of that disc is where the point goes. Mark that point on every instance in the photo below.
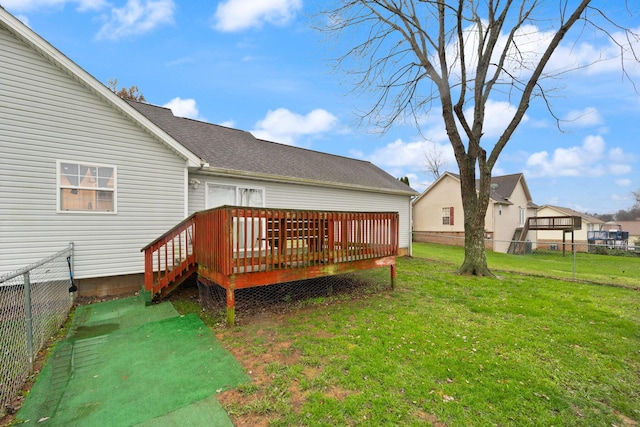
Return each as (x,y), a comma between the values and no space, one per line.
(631,214)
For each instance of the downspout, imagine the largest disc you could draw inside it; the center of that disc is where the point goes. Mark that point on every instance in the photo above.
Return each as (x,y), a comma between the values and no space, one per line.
(410,226)
(203,164)
(186,192)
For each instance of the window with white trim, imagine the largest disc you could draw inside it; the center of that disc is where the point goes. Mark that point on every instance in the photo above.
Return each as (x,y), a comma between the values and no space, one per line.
(523,216)
(447,215)
(86,187)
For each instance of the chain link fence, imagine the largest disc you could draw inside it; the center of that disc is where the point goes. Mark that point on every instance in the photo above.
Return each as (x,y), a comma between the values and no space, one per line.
(571,259)
(34,303)
(287,297)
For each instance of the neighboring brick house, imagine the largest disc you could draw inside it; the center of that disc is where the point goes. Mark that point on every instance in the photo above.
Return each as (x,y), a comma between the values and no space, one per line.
(438,215)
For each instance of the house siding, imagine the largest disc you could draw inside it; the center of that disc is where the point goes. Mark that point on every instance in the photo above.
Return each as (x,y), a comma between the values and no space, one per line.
(505,224)
(427,214)
(296,196)
(45,117)
(499,227)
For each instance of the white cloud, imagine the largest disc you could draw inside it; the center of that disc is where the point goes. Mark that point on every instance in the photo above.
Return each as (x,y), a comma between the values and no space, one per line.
(498,114)
(29,5)
(24,19)
(409,154)
(284,126)
(137,17)
(237,15)
(400,158)
(619,198)
(184,108)
(574,161)
(228,123)
(625,182)
(590,116)
(619,169)
(617,154)
(606,52)
(616,54)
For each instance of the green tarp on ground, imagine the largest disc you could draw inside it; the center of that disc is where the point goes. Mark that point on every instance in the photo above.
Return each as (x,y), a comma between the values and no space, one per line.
(125,364)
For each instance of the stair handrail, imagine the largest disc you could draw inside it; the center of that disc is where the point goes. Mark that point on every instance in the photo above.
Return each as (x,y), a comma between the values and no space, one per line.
(155,279)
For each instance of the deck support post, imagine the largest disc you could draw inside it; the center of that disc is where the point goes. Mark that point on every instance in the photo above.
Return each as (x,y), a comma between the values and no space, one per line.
(393,276)
(231,306)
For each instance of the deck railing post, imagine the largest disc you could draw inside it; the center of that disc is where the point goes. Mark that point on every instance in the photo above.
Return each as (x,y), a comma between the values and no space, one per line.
(148,269)
(231,305)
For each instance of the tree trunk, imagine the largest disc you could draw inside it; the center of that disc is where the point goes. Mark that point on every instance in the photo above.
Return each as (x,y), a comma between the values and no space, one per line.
(475,259)
(475,205)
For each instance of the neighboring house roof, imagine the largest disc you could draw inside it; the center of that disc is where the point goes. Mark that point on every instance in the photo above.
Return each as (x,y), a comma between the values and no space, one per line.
(54,56)
(235,152)
(633,227)
(571,212)
(502,187)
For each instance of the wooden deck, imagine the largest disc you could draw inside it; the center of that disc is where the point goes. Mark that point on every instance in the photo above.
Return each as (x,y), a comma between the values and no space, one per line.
(238,247)
(564,223)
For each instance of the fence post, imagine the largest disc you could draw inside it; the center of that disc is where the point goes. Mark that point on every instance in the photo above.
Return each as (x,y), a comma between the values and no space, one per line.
(393,275)
(72,269)
(28,318)
(574,261)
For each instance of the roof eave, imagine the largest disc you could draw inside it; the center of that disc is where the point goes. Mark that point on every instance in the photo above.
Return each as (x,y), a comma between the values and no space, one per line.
(278,178)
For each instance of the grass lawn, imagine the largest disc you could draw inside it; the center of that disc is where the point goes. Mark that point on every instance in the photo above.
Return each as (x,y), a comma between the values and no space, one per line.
(602,269)
(448,350)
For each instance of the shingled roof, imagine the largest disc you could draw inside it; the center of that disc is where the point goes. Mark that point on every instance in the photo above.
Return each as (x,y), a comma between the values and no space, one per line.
(572,212)
(502,187)
(236,151)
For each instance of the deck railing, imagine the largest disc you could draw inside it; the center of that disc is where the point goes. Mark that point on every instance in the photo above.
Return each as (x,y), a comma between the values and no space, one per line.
(555,223)
(170,256)
(231,240)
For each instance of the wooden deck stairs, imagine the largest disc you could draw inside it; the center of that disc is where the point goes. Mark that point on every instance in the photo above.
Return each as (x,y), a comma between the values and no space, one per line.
(518,243)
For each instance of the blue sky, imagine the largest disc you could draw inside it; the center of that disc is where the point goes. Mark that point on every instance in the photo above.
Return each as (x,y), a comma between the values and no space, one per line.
(258,65)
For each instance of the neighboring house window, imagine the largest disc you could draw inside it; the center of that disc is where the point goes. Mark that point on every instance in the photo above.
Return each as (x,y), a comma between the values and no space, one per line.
(86,187)
(523,216)
(447,215)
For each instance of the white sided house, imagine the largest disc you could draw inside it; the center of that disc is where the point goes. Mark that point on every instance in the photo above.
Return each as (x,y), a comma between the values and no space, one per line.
(438,216)
(79,164)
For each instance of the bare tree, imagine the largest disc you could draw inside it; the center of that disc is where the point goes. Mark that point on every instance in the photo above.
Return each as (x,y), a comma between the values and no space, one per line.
(434,160)
(132,93)
(456,55)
